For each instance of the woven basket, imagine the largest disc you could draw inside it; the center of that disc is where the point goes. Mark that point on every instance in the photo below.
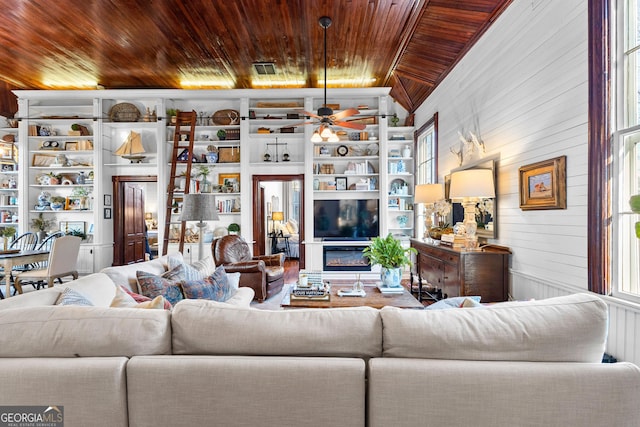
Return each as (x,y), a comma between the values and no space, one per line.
(124,112)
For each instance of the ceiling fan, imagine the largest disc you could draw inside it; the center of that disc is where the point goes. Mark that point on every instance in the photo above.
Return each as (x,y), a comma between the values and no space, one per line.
(325,114)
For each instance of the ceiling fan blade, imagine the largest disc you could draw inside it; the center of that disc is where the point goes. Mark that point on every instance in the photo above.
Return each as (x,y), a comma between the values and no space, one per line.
(344,114)
(303,123)
(308,114)
(350,125)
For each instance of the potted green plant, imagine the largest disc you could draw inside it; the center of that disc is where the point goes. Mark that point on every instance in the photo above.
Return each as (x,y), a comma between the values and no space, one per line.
(233,228)
(41,225)
(172,113)
(57,203)
(388,253)
(6,233)
(634,202)
(221,134)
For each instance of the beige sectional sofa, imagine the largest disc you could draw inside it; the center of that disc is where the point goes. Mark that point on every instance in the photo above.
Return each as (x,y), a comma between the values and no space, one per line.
(215,364)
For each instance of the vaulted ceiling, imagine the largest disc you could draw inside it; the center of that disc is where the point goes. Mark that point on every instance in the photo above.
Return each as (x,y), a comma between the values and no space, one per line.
(409,45)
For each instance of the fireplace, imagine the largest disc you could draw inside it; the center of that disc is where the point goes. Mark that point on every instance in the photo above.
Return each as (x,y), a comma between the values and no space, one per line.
(344,258)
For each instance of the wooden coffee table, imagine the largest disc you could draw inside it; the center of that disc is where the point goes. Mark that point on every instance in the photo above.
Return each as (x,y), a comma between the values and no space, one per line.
(373,298)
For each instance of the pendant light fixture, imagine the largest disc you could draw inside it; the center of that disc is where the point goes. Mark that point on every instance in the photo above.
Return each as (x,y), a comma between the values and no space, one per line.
(325,132)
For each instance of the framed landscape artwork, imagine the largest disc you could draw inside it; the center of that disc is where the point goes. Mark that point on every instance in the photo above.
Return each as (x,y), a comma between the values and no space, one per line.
(543,185)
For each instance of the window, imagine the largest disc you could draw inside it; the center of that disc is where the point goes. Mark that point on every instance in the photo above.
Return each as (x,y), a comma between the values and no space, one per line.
(625,118)
(426,163)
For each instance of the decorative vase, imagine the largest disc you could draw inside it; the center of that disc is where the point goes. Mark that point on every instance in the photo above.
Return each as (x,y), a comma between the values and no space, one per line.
(435,233)
(212,157)
(5,241)
(391,277)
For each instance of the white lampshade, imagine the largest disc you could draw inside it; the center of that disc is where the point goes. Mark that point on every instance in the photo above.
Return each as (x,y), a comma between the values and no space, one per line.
(316,137)
(429,193)
(472,183)
(199,207)
(333,138)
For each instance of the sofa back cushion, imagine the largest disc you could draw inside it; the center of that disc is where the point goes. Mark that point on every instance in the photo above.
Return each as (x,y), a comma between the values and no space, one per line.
(209,327)
(71,331)
(125,275)
(564,329)
(97,288)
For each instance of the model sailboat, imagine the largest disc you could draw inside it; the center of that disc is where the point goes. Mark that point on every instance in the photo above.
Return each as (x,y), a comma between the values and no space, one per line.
(132,148)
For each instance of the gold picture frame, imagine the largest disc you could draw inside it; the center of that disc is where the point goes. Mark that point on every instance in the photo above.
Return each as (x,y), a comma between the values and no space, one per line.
(73,204)
(543,185)
(43,160)
(230,180)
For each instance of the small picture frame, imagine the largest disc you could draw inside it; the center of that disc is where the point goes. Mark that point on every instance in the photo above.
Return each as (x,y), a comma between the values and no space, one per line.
(7,167)
(73,204)
(341,183)
(543,185)
(107,213)
(71,146)
(68,227)
(107,199)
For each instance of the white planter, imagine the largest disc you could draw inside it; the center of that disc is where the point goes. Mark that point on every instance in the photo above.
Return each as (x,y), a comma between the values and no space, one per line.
(391,277)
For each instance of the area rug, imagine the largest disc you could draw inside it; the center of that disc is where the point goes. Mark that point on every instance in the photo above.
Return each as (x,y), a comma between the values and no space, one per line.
(272,303)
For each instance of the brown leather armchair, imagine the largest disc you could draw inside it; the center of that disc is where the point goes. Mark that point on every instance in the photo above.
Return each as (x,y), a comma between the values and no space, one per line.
(265,274)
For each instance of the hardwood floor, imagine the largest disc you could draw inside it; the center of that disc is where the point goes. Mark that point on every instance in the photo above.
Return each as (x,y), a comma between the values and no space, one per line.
(291,268)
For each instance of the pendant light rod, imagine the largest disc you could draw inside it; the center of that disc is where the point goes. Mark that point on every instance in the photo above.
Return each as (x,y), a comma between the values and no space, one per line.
(325,22)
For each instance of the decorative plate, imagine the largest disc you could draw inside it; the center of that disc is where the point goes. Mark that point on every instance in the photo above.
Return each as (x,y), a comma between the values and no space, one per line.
(342,150)
(124,112)
(373,149)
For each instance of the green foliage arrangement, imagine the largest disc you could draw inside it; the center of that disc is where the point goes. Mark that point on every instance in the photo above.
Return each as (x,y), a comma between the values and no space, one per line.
(388,252)
(634,202)
(233,228)
(41,224)
(8,232)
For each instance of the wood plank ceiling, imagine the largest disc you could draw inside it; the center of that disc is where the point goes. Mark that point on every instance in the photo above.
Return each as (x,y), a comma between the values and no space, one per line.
(409,45)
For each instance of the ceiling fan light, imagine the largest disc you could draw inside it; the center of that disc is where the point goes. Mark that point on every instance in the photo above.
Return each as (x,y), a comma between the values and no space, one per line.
(333,138)
(316,137)
(326,132)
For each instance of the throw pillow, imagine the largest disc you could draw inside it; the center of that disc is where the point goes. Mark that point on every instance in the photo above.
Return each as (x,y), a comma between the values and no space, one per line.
(196,271)
(71,297)
(470,303)
(157,303)
(140,299)
(234,281)
(453,302)
(215,287)
(292,226)
(167,285)
(136,297)
(122,299)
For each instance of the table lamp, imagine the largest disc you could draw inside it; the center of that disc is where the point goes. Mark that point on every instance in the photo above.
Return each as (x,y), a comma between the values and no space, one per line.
(199,207)
(470,186)
(276,216)
(428,194)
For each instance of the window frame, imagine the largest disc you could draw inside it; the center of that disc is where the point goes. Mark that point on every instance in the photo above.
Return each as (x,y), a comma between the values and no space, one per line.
(419,176)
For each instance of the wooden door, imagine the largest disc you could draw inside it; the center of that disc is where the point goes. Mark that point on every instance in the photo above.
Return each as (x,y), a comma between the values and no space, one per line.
(129,225)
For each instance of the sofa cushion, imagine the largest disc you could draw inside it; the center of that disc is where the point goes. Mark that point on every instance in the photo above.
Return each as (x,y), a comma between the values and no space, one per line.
(72,331)
(125,275)
(209,327)
(564,329)
(215,287)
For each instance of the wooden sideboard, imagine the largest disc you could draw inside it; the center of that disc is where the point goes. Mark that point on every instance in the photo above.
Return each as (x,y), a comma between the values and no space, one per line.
(456,272)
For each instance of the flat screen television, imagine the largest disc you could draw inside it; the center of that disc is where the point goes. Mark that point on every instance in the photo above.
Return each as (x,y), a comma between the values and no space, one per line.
(346,219)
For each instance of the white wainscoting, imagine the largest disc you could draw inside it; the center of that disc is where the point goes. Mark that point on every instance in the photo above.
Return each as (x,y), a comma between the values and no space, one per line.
(624,317)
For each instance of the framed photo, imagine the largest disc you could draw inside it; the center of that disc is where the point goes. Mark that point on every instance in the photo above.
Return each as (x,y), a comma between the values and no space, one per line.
(7,167)
(341,183)
(71,146)
(230,180)
(107,213)
(71,226)
(73,204)
(107,199)
(543,185)
(43,159)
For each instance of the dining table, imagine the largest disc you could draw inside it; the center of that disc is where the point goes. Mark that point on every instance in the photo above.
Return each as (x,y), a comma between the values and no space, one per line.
(9,259)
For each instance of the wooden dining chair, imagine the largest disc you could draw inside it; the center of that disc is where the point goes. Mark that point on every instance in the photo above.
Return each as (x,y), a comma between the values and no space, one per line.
(63,258)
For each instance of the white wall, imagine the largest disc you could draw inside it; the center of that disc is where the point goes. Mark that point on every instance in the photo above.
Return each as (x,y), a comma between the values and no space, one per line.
(524,88)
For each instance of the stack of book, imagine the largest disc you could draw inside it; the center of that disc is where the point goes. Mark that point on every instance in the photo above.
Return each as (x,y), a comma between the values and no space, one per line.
(456,241)
(310,286)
